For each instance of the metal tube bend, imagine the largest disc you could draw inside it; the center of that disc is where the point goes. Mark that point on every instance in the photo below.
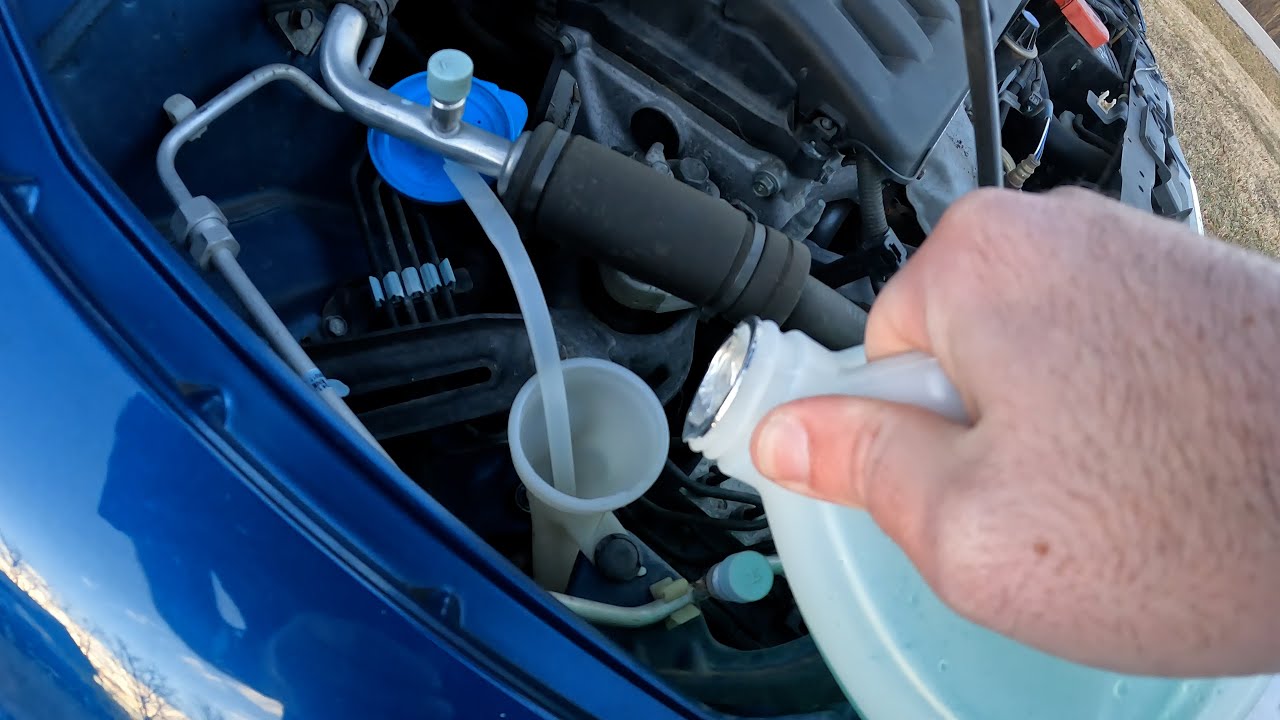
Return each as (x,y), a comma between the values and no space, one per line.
(381,109)
(181,133)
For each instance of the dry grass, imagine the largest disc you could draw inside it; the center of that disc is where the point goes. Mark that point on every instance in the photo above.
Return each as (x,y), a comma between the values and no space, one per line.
(1233,39)
(1226,99)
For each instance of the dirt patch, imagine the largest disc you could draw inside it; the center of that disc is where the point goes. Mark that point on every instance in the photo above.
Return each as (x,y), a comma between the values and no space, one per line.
(1225,96)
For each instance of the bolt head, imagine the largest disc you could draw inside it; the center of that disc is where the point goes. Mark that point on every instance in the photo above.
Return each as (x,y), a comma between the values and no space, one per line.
(306,17)
(694,171)
(566,44)
(336,325)
(764,184)
(826,124)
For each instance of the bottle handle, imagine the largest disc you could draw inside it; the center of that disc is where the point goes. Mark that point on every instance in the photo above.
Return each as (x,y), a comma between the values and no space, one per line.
(912,378)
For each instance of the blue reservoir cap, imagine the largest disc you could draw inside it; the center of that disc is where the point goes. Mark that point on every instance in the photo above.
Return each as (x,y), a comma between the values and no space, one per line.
(418,172)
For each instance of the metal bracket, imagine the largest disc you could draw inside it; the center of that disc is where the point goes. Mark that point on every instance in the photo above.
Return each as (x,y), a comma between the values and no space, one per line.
(301,21)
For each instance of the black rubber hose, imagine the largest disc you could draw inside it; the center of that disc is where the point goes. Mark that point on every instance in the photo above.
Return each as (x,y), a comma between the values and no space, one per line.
(1091,137)
(975,22)
(604,205)
(844,270)
(833,217)
(875,225)
(366,232)
(1065,148)
(1107,10)
(1130,62)
(1109,170)
(1024,77)
(868,256)
(380,214)
(433,257)
(694,518)
(828,317)
(711,491)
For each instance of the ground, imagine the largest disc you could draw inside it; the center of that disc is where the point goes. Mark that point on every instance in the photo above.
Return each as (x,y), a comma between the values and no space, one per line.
(1227,114)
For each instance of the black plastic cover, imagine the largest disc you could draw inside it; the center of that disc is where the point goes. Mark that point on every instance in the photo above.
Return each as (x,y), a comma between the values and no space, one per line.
(889,72)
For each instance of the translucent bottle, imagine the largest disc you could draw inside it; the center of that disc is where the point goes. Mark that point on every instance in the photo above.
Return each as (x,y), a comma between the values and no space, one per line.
(894,647)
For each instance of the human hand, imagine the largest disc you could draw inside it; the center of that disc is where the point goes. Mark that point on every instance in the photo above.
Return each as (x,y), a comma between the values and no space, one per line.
(1117,499)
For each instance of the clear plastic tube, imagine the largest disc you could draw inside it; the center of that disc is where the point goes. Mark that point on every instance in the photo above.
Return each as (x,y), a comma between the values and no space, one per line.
(620,616)
(505,237)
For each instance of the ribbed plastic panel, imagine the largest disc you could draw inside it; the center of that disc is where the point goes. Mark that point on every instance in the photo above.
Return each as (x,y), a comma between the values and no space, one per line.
(891,71)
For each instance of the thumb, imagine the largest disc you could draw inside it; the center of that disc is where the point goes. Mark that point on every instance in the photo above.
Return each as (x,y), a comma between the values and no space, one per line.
(893,460)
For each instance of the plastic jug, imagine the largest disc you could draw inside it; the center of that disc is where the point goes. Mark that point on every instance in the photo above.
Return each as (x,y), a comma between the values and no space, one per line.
(894,647)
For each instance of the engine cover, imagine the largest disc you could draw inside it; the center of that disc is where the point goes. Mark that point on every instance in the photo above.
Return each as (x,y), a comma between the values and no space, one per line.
(889,73)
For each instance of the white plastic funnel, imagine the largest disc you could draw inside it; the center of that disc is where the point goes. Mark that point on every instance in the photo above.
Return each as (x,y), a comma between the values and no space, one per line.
(620,441)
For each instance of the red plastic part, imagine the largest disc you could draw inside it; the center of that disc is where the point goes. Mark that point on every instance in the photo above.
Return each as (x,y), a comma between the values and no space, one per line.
(1086,22)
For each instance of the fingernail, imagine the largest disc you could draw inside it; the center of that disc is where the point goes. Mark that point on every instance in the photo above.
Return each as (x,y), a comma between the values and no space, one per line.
(783,450)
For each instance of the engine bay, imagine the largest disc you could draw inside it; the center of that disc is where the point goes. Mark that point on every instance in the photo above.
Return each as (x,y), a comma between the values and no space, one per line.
(673,167)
